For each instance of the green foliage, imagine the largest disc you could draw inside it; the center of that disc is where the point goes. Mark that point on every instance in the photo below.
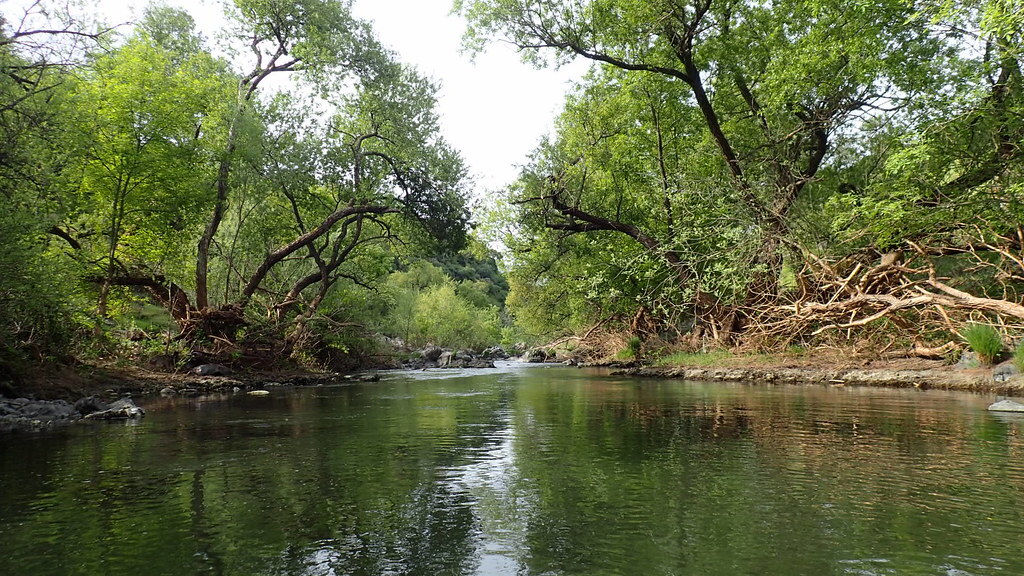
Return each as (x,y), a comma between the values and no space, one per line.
(714,151)
(442,317)
(1018,357)
(632,349)
(985,341)
(429,307)
(116,164)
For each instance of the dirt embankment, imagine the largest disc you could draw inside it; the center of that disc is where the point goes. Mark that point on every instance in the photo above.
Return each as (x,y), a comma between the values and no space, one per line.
(901,373)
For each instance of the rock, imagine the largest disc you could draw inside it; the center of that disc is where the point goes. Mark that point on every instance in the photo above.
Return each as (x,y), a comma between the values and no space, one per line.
(162,362)
(445,359)
(211,370)
(432,353)
(25,414)
(90,404)
(259,393)
(495,352)
(1007,406)
(189,392)
(535,356)
(168,391)
(1004,371)
(968,360)
(48,411)
(123,408)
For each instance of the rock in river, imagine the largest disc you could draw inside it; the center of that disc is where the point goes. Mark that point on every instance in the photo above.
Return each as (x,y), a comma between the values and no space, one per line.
(1007,406)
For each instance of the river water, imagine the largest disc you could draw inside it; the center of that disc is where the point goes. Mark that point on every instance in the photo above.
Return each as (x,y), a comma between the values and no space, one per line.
(533,470)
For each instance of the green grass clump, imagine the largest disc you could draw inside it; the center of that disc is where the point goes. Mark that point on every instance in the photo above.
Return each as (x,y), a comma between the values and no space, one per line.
(985,341)
(632,349)
(1018,357)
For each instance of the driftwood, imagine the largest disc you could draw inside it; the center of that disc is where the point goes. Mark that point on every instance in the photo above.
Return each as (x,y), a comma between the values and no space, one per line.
(919,350)
(866,288)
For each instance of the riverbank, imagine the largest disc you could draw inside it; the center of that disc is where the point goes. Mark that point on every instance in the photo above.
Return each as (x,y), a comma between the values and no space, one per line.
(65,386)
(837,369)
(62,395)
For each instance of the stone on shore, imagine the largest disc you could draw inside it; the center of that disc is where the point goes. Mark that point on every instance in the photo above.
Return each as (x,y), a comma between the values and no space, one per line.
(211,370)
(121,409)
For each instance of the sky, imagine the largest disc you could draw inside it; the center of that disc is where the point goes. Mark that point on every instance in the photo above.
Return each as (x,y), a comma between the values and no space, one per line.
(494,108)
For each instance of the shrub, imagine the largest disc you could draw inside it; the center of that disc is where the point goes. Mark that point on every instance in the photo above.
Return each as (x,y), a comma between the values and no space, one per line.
(1018,357)
(985,341)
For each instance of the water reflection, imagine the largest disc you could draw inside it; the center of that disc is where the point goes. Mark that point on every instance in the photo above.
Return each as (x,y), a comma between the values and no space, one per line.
(524,471)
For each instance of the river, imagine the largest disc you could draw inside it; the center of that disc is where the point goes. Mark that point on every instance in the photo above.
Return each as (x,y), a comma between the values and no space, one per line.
(531,470)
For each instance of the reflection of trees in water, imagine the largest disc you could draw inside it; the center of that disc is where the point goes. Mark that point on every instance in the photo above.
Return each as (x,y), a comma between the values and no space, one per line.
(346,483)
(562,476)
(431,533)
(725,479)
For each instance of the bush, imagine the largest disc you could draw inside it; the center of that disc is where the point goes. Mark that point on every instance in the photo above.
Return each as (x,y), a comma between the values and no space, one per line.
(1018,357)
(985,341)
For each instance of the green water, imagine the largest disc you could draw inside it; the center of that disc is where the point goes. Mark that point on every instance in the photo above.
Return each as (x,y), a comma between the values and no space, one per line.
(524,470)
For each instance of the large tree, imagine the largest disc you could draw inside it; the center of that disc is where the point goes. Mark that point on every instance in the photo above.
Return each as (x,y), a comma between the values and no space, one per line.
(148,120)
(752,116)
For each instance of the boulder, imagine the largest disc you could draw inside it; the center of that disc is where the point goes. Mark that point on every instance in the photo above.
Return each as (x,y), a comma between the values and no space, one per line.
(1007,406)
(89,405)
(211,370)
(121,409)
(535,356)
(1004,372)
(495,352)
(432,353)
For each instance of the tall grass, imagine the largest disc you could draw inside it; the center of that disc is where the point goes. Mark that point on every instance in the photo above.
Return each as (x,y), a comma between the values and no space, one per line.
(985,341)
(632,350)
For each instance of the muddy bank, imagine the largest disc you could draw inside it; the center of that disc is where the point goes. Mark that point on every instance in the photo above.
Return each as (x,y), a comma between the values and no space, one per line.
(944,378)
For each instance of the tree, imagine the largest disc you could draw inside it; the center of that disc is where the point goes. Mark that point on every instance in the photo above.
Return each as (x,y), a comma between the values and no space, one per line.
(315,37)
(747,124)
(147,117)
(37,298)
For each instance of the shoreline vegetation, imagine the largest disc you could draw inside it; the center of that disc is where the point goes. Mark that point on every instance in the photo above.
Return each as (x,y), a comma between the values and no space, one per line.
(47,399)
(843,190)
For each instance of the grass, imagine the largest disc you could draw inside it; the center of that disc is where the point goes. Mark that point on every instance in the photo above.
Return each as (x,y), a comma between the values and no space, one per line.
(985,341)
(1018,357)
(631,351)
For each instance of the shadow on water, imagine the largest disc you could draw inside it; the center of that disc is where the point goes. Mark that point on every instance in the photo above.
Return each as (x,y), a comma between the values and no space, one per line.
(525,470)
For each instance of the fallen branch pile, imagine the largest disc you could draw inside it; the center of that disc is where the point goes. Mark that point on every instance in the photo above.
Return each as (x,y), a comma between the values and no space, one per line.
(903,288)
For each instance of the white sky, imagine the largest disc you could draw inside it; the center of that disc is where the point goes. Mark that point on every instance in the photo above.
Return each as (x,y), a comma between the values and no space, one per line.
(493,110)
